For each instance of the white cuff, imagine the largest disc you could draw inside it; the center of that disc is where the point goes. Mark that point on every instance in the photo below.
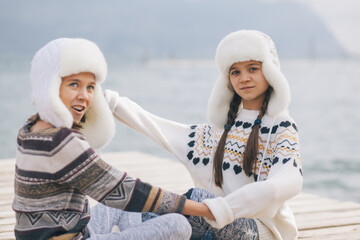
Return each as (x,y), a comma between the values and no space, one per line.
(221,211)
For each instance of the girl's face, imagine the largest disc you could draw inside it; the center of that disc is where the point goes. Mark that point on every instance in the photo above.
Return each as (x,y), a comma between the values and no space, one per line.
(77,93)
(249,83)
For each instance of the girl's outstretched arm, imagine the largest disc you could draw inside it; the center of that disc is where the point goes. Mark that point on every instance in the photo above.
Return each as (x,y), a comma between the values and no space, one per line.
(168,134)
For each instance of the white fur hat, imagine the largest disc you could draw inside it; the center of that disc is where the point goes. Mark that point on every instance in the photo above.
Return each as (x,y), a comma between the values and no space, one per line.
(246,45)
(63,57)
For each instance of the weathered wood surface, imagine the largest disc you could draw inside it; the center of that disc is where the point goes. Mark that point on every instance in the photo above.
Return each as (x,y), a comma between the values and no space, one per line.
(317,217)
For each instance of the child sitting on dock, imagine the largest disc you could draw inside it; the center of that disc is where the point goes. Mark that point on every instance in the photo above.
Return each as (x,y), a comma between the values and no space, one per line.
(57,166)
(245,162)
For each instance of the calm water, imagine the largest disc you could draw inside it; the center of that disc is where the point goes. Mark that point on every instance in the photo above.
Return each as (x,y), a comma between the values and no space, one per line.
(325,104)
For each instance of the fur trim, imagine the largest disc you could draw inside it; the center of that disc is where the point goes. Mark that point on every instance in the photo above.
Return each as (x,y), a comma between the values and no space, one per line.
(80,55)
(246,45)
(99,127)
(64,57)
(219,102)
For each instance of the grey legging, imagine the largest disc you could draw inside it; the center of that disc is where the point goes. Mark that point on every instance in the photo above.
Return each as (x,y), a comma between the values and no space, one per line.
(241,228)
(169,226)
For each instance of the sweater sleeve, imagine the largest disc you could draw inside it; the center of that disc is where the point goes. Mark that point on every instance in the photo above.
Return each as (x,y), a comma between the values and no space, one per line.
(170,135)
(94,177)
(264,198)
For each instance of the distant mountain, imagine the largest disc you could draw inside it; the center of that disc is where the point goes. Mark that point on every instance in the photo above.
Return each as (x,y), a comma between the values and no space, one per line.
(135,29)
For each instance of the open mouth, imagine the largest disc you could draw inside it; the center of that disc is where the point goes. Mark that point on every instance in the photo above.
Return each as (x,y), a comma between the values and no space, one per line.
(78,108)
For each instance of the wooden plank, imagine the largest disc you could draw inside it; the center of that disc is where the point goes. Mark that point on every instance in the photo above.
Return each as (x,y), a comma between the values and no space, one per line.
(6,236)
(328,223)
(341,233)
(6,201)
(7,228)
(7,190)
(7,221)
(7,214)
(327,215)
(321,206)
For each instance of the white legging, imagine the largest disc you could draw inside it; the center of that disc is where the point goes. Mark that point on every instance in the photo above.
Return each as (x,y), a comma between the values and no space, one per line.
(169,226)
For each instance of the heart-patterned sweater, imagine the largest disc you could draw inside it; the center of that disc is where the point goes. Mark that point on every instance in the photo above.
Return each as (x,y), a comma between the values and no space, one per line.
(276,178)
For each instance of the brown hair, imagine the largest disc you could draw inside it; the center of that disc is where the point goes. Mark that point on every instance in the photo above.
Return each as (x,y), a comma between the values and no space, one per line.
(79,126)
(36,117)
(251,148)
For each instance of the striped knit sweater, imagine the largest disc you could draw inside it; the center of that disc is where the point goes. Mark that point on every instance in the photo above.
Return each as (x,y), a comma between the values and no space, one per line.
(56,169)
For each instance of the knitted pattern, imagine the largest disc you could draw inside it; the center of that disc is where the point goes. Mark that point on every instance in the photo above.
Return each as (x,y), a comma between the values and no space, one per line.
(283,147)
(56,169)
(260,197)
(282,153)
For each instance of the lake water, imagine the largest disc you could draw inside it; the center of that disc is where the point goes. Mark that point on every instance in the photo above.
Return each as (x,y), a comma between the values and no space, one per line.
(325,104)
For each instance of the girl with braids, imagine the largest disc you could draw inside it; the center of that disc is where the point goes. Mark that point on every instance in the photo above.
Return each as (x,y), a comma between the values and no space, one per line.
(245,162)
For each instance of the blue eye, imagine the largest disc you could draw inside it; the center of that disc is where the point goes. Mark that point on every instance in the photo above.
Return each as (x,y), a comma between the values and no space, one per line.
(91,88)
(73,84)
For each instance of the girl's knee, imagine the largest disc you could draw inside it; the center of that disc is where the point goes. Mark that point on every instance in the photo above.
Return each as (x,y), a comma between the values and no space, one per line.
(179,225)
(199,194)
(99,207)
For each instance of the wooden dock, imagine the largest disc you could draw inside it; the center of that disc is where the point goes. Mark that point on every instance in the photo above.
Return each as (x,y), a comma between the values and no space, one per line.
(317,218)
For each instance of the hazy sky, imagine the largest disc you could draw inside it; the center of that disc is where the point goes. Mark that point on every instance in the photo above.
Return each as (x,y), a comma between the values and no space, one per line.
(342,18)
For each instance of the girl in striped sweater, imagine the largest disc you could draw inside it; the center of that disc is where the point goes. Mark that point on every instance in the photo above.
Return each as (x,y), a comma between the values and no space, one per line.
(57,166)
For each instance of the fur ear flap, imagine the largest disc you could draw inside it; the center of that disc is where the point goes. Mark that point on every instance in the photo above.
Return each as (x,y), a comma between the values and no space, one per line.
(219,102)
(280,96)
(58,115)
(99,126)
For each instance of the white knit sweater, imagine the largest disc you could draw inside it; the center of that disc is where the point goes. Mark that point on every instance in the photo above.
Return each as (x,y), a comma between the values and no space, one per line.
(241,196)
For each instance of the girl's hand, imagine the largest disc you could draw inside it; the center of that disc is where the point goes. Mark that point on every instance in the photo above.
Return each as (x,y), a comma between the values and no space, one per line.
(111,98)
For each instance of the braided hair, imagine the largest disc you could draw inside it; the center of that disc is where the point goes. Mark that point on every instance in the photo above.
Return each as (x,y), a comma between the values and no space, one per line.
(251,148)
(219,154)
(252,145)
